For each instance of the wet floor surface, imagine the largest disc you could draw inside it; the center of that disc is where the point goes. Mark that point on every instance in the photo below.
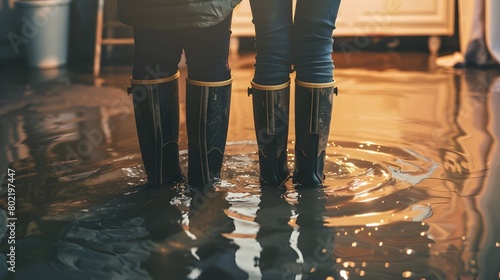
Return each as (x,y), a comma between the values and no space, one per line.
(413,178)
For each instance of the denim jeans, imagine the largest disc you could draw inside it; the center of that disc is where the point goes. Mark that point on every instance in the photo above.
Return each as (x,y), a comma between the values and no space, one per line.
(158,52)
(306,42)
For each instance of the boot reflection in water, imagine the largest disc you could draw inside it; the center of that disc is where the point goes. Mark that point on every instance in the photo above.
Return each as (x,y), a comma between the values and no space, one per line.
(306,42)
(159,41)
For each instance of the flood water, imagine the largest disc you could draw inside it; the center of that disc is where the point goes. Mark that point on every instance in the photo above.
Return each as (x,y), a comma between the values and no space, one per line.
(412,188)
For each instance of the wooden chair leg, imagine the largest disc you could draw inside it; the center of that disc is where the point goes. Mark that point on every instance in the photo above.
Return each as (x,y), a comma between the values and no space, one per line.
(98,38)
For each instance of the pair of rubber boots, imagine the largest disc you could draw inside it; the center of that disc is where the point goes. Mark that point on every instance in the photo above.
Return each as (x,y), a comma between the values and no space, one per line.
(313,112)
(156,108)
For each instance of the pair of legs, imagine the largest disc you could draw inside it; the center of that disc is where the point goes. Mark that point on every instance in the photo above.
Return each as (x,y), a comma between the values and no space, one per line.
(154,87)
(306,43)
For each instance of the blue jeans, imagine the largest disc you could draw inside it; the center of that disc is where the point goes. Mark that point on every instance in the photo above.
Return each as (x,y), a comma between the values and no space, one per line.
(305,43)
(158,52)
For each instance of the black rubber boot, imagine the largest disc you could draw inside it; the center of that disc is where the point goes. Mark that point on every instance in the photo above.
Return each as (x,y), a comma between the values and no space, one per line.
(270,113)
(156,108)
(207,119)
(313,113)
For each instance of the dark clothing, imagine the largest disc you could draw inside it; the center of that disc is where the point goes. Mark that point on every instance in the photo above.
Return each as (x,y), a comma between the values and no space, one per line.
(158,52)
(174,14)
(306,42)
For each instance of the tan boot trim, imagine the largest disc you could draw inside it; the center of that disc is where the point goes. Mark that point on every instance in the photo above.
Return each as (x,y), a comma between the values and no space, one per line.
(156,81)
(314,85)
(209,84)
(271,87)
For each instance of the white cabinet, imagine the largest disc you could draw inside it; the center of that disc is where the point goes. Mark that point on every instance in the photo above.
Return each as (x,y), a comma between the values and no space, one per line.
(377,18)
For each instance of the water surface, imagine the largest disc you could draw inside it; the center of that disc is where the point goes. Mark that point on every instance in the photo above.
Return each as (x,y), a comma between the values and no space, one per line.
(411,191)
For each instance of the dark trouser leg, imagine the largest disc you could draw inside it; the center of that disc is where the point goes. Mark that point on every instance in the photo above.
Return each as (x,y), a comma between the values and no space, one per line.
(273,41)
(207,118)
(313,112)
(270,111)
(156,103)
(156,107)
(314,23)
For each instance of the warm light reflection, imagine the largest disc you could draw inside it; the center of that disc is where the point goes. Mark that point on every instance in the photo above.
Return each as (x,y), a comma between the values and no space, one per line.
(407,274)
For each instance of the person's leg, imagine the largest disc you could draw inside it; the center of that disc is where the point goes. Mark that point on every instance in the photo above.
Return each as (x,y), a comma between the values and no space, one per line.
(208,96)
(273,31)
(154,88)
(314,23)
(156,53)
(271,86)
(314,88)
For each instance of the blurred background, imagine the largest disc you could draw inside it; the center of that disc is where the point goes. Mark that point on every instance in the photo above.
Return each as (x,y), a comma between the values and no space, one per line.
(412,162)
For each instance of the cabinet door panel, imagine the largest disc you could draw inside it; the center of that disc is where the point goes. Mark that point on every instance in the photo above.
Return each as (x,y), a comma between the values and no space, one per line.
(376,18)
(396,17)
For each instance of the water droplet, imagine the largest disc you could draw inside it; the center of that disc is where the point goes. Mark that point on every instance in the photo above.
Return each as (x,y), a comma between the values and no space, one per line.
(362,273)
(422,233)
(409,251)
(380,243)
(387,265)
(338,260)
(363,264)
(354,244)
(498,244)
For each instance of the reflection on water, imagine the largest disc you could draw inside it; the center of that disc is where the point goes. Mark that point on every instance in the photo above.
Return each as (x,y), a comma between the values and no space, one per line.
(410,193)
